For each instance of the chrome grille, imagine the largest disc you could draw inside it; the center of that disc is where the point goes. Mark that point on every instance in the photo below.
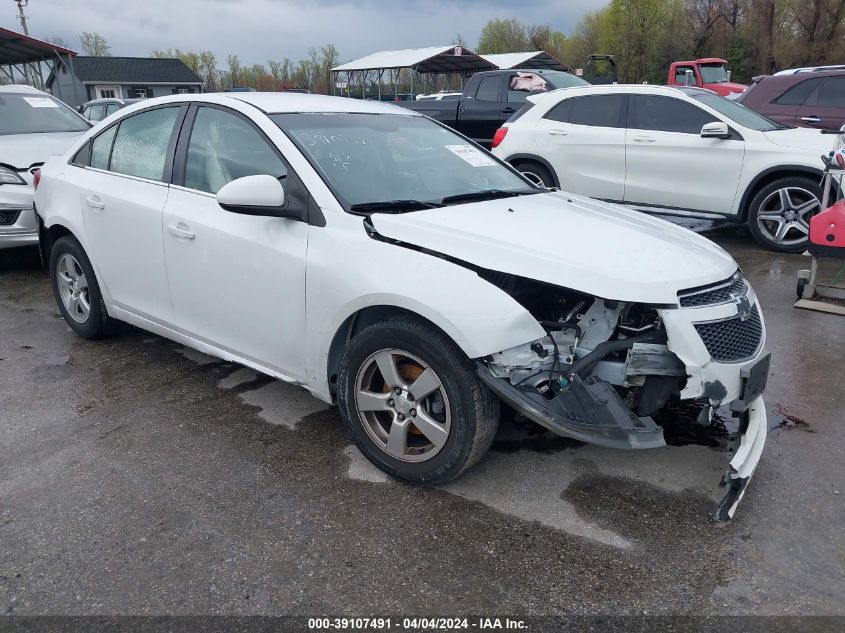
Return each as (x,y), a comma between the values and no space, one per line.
(732,340)
(713,294)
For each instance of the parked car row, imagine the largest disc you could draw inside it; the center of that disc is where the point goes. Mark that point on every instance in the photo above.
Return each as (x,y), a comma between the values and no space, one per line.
(33,127)
(254,228)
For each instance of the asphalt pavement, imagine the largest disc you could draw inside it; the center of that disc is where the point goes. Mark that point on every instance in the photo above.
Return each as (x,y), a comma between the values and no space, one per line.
(139,477)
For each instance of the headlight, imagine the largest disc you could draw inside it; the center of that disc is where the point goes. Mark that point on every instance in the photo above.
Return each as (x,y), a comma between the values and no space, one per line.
(9,176)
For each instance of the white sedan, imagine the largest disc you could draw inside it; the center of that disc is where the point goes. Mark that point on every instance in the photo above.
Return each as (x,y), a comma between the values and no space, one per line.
(672,151)
(386,263)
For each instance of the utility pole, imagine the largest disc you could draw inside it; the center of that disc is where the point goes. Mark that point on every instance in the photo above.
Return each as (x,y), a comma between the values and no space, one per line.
(21,4)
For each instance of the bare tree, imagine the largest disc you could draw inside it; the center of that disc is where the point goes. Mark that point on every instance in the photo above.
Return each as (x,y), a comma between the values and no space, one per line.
(94,44)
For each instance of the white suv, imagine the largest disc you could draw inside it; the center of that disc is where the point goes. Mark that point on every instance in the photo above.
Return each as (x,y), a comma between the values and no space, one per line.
(673,151)
(33,127)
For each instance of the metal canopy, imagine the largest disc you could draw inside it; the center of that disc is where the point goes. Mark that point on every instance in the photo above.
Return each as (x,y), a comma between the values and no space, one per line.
(17,48)
(434,59)
(531,59)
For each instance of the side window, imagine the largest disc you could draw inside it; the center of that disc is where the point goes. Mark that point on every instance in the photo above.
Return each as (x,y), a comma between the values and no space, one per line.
(832,93)
(101,148)
(87,112)
(97,113)
(112,108)
(799,93)
(224,147)
(488,89)
(140,147)
(666,114)
(681,74)
(82,158)
(597,110)
(560,112)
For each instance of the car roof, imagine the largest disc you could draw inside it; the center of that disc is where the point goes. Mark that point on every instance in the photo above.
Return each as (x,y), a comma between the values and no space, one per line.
(280,103)
(621,89)
(20,88)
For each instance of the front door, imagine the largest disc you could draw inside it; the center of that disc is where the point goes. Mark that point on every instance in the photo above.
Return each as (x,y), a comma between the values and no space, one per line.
(122,192)
(237,282)
(584,140)
(670,165)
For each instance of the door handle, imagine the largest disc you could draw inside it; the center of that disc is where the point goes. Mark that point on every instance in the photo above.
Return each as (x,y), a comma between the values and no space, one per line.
(95,203)
(181,233)
(508,110)
(558,133)
(644,139)
(811,119)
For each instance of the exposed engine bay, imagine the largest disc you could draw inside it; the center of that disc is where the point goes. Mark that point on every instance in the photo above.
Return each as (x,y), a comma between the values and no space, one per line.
(601,372)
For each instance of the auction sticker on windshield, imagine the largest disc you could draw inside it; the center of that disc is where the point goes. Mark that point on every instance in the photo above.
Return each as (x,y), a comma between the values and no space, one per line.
(470,154)
(41,102)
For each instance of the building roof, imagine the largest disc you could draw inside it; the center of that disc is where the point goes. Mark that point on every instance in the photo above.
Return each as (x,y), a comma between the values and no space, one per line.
(434,59)
(133,70)
(17,48)
(529,59)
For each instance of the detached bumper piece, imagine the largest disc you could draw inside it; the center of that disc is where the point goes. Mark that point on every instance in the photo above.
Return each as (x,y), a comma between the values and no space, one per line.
(754,427)
(589,410)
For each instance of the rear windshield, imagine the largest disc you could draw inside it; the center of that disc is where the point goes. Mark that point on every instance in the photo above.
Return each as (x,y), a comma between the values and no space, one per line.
(35,113)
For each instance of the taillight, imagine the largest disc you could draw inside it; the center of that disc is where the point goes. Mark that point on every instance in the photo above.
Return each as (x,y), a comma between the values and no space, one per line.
(36,177)
(499,136)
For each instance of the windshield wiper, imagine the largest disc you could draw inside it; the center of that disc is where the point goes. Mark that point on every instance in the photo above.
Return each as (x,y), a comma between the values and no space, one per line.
(395,206)
(489,194)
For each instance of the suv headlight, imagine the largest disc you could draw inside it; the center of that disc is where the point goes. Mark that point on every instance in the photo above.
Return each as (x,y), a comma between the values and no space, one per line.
(9,176)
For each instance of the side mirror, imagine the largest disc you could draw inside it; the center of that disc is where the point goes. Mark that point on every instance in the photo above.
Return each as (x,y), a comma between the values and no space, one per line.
(717,129)
(253,195)
(689,77)
(729,76)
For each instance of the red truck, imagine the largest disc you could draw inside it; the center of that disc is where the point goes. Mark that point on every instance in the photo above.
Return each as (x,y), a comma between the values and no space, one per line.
(710,73)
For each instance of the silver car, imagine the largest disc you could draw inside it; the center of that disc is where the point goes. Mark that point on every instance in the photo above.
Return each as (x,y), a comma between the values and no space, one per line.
(33,127)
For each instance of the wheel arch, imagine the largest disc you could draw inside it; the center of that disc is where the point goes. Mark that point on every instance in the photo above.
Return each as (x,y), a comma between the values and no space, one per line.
(523,157)
(769,176)
(356,322)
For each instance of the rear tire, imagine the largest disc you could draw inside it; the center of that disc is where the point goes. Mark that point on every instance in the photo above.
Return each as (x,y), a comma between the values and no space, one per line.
(780,213)
(428,439)
(536,173)
(76,290)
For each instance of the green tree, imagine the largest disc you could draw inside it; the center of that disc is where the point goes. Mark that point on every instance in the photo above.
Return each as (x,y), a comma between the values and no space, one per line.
(503,36)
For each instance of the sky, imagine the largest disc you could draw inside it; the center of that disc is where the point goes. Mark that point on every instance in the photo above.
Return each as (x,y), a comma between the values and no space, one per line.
(258,30)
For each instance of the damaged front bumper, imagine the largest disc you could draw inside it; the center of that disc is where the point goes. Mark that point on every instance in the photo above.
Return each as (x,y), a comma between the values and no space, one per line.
(719,348)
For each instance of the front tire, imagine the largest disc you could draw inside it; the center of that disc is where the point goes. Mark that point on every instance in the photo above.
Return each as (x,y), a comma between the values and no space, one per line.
(412,402)
(77,291)
(779,215)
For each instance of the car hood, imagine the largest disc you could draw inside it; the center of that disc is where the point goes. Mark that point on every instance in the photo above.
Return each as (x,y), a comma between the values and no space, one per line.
(803,138)
(570,241)
(726,88)
(21,151)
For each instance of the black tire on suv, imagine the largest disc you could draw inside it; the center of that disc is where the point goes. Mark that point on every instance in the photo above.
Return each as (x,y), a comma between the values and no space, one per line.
(778,207)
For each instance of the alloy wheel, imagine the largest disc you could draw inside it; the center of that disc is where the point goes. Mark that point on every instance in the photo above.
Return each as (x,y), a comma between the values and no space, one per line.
(403,405)
(73,288)
(784,216)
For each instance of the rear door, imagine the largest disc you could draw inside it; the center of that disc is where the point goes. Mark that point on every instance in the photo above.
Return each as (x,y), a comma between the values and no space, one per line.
(480,113)
(583,138)
(670,165)
(122,191)
(788,107)
(825,109)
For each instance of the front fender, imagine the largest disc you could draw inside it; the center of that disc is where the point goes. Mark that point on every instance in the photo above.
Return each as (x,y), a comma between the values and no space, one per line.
(479,317)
